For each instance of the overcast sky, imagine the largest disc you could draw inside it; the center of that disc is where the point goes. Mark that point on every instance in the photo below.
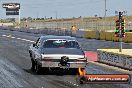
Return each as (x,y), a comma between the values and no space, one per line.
(68,8)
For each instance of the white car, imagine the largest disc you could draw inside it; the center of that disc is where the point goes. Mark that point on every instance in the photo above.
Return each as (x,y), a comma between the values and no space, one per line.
(61,52)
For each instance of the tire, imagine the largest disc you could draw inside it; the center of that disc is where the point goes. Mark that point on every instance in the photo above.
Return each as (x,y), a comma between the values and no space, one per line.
(83,80)
(38,68)
(30,53)
(33,65)
(74,71)
(45,70)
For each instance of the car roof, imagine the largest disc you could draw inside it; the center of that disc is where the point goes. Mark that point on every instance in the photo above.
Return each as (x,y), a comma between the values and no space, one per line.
(57,37)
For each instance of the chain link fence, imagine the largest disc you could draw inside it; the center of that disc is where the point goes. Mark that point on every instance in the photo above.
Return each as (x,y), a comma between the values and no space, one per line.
(93,23)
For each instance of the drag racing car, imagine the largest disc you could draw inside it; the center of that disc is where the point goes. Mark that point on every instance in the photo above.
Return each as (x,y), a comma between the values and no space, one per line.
(62,52)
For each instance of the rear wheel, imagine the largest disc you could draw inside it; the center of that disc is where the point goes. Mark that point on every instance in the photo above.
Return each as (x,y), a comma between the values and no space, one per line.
(82,80)
(75,71)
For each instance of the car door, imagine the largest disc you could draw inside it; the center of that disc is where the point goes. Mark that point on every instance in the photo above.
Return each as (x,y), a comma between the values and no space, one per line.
(36,52)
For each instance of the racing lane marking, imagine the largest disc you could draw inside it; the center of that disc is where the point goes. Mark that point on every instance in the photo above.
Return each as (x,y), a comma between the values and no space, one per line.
(28,40)
(13,37)
(111,67)
(18,38)
(10,36)
(32,41)
(3,35)
(24,39)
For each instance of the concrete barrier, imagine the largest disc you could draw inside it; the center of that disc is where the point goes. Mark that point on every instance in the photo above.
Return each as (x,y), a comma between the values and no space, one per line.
(80,33)
(97,35)
(108,36)
(128,37)
(102,35)
(6,24)
(116,58)
(90,34)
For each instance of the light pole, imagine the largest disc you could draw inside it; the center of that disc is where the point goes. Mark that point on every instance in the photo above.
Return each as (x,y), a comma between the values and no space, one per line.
(37,13)
(120,29)
(105,9)
(56,13)
(19,18)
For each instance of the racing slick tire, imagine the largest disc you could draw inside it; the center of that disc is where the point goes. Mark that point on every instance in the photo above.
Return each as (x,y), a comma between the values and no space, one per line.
(38,68)
(74,71)
(33,65)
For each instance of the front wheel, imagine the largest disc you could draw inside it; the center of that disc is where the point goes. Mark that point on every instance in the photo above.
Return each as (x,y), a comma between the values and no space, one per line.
(38,68)
(33,65)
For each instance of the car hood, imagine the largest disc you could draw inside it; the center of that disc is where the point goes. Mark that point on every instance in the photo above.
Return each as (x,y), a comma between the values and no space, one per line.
(71,51)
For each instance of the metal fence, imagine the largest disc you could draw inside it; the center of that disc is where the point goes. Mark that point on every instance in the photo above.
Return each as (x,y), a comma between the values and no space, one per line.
(59,32)
(81,23)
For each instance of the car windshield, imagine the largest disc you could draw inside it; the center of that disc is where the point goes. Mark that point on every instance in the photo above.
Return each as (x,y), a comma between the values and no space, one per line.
(60,44)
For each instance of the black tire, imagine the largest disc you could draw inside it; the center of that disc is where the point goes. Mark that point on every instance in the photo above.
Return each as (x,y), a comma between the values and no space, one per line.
(45,70)
(83,80)
(30,54)
(38,68)
(74,71)
(33,65)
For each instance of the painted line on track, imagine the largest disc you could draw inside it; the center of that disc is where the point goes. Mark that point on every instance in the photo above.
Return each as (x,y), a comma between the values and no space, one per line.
(10,36)
(13,37)
(18,38)
(3,35)
(24,39)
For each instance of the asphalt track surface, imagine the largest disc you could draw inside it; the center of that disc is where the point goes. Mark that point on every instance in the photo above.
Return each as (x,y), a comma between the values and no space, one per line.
(15,64)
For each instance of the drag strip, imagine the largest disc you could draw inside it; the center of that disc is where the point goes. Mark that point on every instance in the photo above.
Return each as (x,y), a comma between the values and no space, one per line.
(15,65)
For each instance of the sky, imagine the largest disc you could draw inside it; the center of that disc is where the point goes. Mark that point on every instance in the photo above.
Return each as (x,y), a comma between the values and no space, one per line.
(68,8)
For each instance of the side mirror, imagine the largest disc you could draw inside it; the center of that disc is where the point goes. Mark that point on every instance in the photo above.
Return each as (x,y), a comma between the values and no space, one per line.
(34,45)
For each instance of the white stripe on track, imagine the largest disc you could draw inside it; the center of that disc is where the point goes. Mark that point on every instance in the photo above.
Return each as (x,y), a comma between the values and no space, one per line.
(10,36)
